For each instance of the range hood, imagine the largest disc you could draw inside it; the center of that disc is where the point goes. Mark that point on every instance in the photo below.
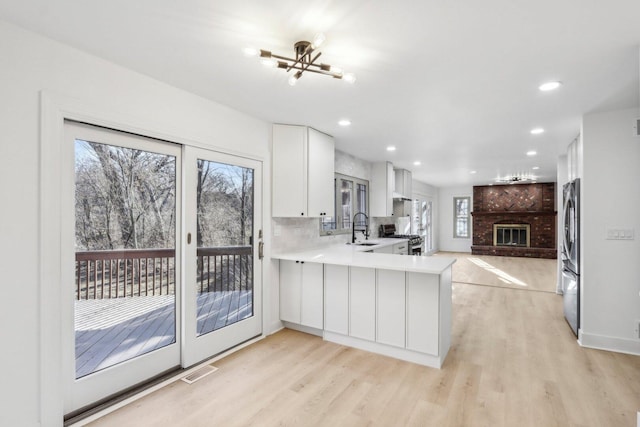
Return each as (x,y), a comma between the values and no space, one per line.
(402,190)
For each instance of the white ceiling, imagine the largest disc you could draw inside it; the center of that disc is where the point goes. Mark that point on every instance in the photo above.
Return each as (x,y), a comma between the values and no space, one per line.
(452,84)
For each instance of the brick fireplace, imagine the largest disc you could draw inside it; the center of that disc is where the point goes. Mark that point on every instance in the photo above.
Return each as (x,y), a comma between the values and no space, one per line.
(514,220)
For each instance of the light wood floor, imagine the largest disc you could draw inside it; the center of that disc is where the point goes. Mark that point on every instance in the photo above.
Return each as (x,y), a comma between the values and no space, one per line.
(513,362)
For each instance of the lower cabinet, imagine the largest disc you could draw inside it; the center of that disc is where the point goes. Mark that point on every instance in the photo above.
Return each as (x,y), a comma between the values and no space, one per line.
(401,248)
(362,303)
(390,308)
(301,299)
(397,311)
(336,294)
(422,312)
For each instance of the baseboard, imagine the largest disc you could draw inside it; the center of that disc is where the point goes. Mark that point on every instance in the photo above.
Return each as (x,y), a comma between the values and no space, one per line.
(603,342)
(302,328)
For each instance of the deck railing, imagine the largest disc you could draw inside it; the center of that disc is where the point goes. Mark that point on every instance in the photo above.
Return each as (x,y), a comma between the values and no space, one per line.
(144,272)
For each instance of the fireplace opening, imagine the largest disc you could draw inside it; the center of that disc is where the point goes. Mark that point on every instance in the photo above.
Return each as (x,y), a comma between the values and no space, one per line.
(511,235)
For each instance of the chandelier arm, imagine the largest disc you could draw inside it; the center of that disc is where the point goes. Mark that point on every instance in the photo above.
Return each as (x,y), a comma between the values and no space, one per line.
(311,70)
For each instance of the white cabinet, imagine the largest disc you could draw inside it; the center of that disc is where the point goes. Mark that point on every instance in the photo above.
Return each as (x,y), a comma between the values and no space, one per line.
(422,312)
(390,308)
(336,297)
(290,290)
(384,250)
(381,191)
(303,172)
(401,248)
(301,293)
(362,303)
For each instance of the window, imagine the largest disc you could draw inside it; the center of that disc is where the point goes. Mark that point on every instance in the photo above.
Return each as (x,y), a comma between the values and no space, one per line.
(351,197)
(461,217)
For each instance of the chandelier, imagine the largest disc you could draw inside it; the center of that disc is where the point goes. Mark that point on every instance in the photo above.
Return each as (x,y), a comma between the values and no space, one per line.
(306,55)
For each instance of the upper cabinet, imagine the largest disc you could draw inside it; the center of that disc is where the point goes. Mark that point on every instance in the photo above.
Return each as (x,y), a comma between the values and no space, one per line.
(303,172)
(382,187)
(402,184)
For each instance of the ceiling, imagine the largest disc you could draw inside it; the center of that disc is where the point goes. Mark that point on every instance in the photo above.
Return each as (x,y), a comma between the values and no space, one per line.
(451,84)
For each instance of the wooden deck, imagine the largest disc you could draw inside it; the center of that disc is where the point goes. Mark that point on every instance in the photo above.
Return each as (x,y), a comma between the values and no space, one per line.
(110,331)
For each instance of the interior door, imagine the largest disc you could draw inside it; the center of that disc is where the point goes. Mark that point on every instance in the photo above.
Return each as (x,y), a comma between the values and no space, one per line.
(120,227)
(223,272)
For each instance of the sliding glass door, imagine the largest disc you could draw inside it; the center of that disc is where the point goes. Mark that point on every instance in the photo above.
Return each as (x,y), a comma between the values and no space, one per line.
(223,236)
(160,250)
(123,282)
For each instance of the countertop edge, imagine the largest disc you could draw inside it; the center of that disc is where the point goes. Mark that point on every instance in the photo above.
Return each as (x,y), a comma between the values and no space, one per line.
(339,255)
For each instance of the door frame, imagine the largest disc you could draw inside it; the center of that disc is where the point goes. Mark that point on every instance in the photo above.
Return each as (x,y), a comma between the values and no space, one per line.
(54,110)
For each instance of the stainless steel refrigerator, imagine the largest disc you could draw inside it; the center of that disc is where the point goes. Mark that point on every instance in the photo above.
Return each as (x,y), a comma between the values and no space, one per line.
(571,253)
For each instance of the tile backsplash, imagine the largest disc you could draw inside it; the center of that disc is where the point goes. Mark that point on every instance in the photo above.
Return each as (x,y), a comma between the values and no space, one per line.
(303,233)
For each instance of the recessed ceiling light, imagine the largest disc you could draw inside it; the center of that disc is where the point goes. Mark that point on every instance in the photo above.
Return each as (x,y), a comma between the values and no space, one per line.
(391,148)
(531,153)
(344,122)
(472,172)
(535,168)
(417,163)
(545,87)
(537,131)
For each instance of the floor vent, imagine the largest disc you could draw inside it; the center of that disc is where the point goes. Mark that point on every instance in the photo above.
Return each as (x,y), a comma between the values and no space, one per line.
(199,374)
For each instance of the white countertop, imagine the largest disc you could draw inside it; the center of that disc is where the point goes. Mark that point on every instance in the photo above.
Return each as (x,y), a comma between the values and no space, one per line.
(358,256)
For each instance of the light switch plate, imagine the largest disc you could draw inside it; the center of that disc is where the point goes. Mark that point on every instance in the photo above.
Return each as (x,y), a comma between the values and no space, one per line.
(620,234)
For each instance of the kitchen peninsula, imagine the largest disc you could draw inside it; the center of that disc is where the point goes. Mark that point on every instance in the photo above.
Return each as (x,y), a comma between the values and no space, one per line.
(398,306)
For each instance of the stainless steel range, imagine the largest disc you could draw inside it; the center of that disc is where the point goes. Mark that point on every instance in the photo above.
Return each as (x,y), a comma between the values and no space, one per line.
(415,241)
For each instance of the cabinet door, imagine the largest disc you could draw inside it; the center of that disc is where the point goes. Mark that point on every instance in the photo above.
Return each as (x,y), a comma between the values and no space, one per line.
(362,303)
(401,248)
(384,250)
(290,277)
(336,298)
(391,308)
(381,190)
(422,312)
(289,189)
(321,159)
(312,295)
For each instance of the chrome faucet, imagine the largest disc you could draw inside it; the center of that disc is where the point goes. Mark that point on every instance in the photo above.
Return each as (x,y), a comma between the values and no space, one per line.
(366,231)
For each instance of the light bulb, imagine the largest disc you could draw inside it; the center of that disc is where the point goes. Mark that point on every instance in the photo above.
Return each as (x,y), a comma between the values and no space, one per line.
(537,131)
(349,78)
(344,122)
(318,40)
(249,51)
(293,80)
(269,62)
(336,70)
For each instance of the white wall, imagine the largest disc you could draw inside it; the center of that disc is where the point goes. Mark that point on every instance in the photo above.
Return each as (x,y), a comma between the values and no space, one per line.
(447,242)
(30,64)
(610,198)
